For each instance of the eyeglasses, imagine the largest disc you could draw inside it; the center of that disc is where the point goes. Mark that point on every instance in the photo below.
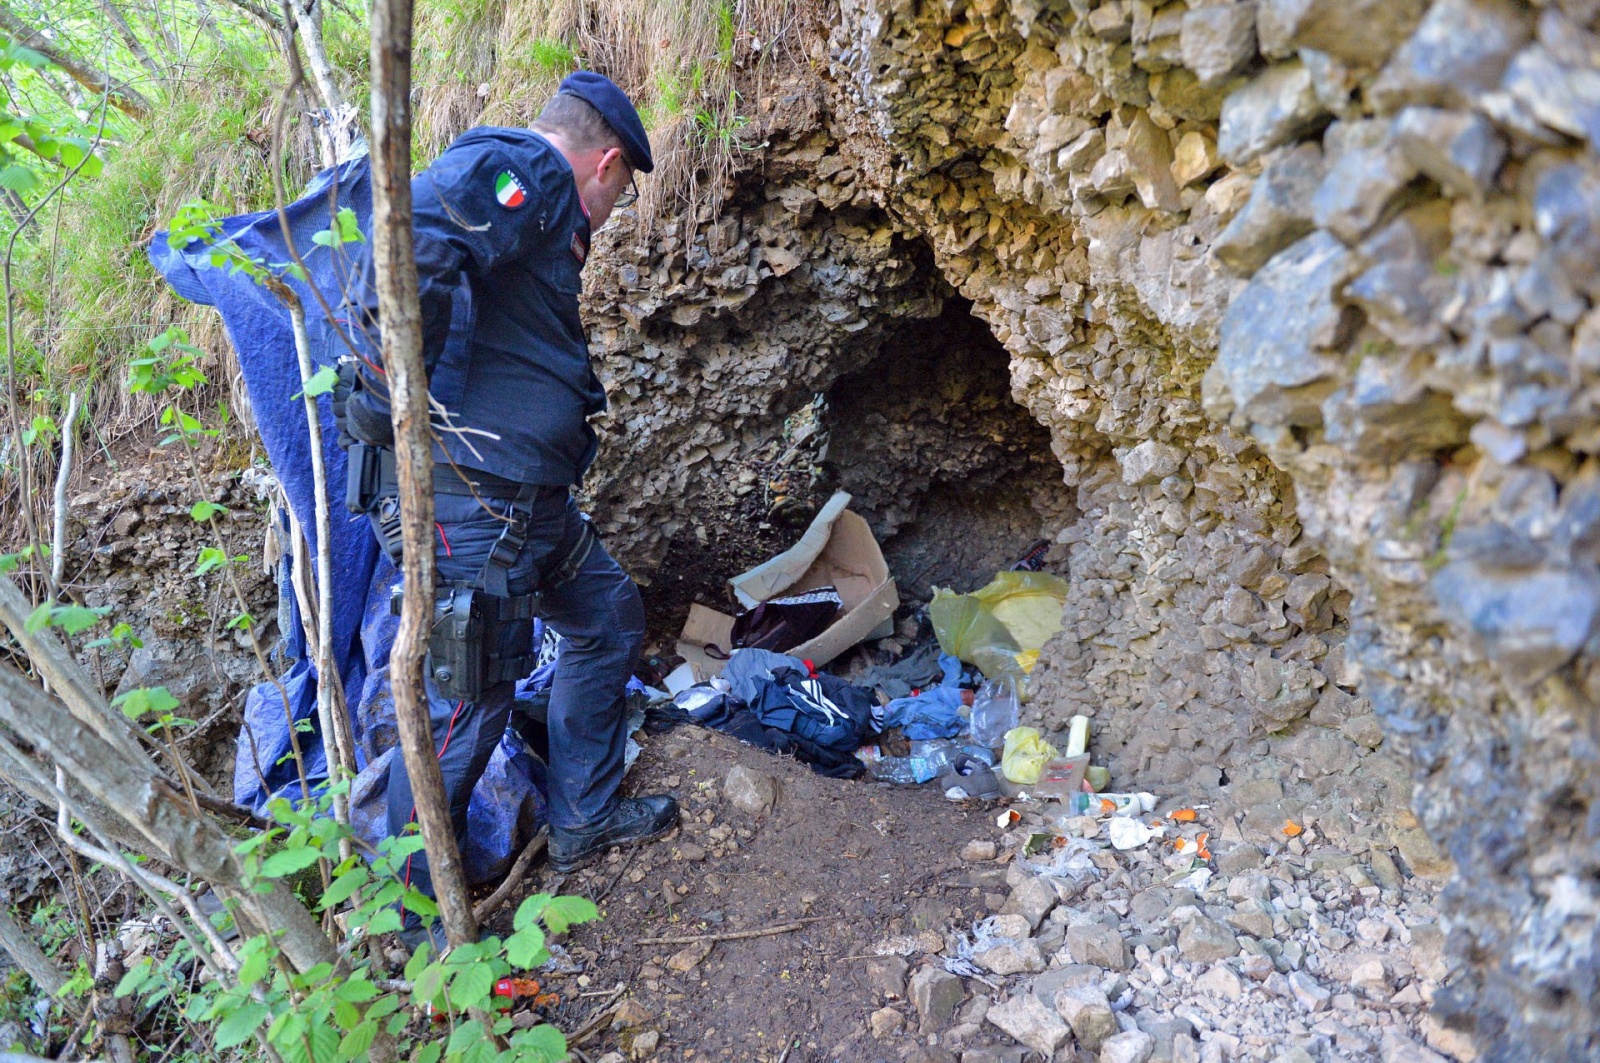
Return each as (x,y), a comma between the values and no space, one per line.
(630,195)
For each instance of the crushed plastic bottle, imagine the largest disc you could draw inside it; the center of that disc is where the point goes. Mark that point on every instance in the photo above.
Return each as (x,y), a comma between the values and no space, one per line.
(995,710)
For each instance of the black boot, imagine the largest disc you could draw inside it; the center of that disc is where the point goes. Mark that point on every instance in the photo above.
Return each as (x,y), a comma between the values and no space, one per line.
(634,820)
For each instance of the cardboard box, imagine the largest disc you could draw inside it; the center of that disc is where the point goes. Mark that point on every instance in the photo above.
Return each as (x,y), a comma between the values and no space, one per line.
(837,550)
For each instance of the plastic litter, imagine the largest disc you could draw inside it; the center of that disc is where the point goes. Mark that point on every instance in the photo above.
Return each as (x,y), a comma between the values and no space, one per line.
(1138,804)
(1128,833)
(1078,736)
(1070,860)
(995,710)
(1026,753)
(1001,627)
(1063,776)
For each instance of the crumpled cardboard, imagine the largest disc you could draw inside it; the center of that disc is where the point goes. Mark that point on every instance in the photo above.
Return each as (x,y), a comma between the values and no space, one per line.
(837,550)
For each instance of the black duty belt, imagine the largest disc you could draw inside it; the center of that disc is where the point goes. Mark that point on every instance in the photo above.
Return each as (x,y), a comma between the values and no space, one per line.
(372,476)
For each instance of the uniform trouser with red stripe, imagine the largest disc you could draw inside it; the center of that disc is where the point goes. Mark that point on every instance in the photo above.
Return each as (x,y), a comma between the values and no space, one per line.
(599,615)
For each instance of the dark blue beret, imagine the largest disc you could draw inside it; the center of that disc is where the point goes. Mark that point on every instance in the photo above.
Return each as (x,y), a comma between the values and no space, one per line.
(602,94)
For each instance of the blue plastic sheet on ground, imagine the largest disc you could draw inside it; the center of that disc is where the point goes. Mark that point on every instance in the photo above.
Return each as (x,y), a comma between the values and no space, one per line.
(509,795)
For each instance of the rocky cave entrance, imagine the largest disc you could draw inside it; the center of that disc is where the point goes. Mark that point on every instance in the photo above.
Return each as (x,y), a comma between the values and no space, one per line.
(956,479)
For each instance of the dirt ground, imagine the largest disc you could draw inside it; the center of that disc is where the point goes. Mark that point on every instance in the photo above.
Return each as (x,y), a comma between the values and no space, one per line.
(861,860)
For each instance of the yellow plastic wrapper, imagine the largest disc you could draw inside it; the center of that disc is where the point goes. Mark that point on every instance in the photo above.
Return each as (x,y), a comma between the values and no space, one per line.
(1002,627)
(1025,755)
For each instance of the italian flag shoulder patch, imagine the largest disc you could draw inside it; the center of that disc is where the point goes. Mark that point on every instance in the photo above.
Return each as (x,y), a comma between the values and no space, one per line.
(509,191)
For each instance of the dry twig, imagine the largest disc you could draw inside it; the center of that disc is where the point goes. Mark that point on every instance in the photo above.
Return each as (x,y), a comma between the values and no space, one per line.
(513,877)
(735,935)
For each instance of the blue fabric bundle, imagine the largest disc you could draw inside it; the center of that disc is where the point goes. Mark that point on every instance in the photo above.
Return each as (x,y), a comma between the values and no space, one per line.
(507,805)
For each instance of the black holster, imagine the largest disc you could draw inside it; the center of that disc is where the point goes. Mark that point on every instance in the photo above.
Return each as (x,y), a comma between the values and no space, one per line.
(478,640)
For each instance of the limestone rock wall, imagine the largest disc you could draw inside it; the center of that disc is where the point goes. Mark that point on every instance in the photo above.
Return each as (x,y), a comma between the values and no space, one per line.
(1303,290)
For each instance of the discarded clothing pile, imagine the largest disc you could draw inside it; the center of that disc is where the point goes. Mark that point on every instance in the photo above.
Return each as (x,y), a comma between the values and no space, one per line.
(773,701)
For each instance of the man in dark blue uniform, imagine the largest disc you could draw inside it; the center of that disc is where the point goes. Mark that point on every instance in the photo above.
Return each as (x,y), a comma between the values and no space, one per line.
(503,222)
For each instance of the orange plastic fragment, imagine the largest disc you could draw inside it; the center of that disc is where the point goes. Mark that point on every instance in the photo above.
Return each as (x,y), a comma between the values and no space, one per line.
(1291,828)
(1204,853)
(1183,815)
(516,987)
(1107,806)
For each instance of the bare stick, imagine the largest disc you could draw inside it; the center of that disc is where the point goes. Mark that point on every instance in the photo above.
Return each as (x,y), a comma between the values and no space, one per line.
(29,956)
(64,675)
(592,1023)
(156,810)
(400,321)
(123,97)
(735,935)
(525,860)
(58,538)
(340,115)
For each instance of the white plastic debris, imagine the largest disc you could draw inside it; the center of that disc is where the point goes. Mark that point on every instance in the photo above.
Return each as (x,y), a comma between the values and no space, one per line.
(1128,833)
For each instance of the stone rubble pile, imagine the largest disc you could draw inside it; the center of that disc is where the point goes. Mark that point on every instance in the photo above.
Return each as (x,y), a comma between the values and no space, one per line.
(1288,949)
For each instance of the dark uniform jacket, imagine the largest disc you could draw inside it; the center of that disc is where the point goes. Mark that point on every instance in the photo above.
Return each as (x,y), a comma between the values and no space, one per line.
(501,239)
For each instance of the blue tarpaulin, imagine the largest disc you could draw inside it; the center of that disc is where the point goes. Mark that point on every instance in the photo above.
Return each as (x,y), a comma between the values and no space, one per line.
(507,805)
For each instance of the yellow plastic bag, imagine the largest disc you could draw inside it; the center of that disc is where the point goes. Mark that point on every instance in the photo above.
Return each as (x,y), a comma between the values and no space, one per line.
(1002,627)
(1025,755)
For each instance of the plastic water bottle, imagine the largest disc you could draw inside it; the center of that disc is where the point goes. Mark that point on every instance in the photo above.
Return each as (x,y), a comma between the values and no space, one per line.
(995,711)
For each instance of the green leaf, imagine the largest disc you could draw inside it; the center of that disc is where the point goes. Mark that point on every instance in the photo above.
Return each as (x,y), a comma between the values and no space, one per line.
(420,903)
(288,861)
(357,1041)
(530,910)
(242,622)
(349,226)
(203,511)
(418,962)
(242,1025)
(210,558)
(145,700)
(345,1014)
(542,1044)
(428,1053)
(19,179)
(255,966)
(563,912)
(37,620)
(466,1035)
(355,990)
(383,1006)
(322,381)
(342,888)
(525,948)
(75,618)
(323,1043)
(470,987)
(385,922)
(16,53)
(250,845)
(426,986)
(135,978)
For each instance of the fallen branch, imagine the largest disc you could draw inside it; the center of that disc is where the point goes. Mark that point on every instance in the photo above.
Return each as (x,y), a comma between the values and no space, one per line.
(58,537)
(29,956)
(596,1017)
(735,935)
(513,877)
(228,810)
